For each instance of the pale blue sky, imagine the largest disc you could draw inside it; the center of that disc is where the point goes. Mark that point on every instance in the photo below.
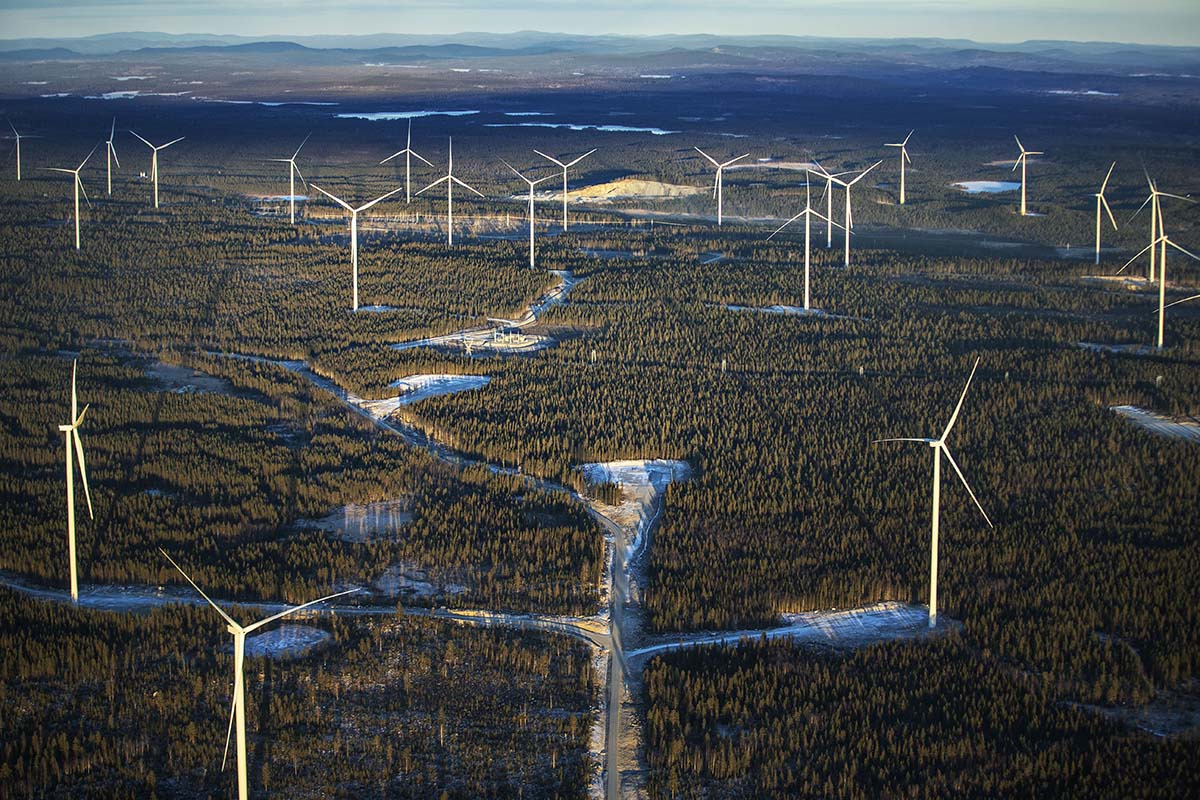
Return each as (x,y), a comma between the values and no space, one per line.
(1146,21)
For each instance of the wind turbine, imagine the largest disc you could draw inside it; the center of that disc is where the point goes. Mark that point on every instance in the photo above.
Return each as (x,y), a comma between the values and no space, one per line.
(74,447)
(1022,162)
(808,213)
(450,181)
(19,136)
(828,195)
(354,212)
(408,153)
(1164,240)
(293,171)
(111,153)
(78,188)
(718,182)
(531,185)
(237,711)
(940,448)
(903,157)
(1156,222)
(565,167)
(1102,201)
(849,223)
(154,161)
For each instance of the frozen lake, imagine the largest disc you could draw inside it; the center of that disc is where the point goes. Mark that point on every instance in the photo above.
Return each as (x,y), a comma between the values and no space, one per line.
(385,116)
(988,187)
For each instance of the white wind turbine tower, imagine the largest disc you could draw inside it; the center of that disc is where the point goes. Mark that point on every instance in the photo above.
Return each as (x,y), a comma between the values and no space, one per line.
(828,195)
(808,213)
(1022,162)
(450,181)
(237,712)
(1164,240)
(1156,221)
(565,167)
(354,212)
(154,161)
(903,158)
(78,188)
(1101,200)
(408,153)
(718,181)
(74,448)
(293,171)
(531,185)
(849,215)
(19,136)
(939,449)
(111,153)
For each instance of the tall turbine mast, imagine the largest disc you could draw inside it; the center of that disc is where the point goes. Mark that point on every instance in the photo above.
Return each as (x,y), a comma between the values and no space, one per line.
(19,136)
(450,180)
(718,181)
(408,153)
(74,447)
(565,167)
(237,711)
(1022,162)
(903,158)
(849,217)
(154,160)
(1101,200)
(808,213)
(354,212)
(939,449)
(531,185)
(78,188)
(1156,218)
(1164,240)
(293,171)
(111,153)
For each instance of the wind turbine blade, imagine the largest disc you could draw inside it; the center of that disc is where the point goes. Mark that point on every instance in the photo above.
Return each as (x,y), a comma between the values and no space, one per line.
(466,186)
(135,133)
(1104,202)
(902,439)
(706,155)
(337,200)
(1139,254)
(1184,300)
(1139,208)
(784,225)
(301,147)
(379,199)
(60,169)
(907,157)
(415,154)
(906,138)
(82,465)
(958,472)
(435,183)
(1017,163)
(301,174)
(220,611)
(274,617)
(958,408)
(168,144)
(14,129)
(1176,196)
(229,731)
(89,155)
(514,170)
(112,149)
(113,132)
(581,158)
(74,393)
(393,155)
(1106,177)
(863,174)
(1019,144)
(552,158)
(734,160)
(85,197)
(1188,253)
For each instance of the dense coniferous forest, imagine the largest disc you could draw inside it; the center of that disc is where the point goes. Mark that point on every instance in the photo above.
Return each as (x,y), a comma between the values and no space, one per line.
(925,719)
(121,705)
(1083,593)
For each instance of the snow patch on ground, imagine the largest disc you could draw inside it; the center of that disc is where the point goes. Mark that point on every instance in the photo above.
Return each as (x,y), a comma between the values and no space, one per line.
(1121,349)
(415,388)
(363,523)
(1186,428)
(185,380)
(286,641)
(988,187)
(642,483)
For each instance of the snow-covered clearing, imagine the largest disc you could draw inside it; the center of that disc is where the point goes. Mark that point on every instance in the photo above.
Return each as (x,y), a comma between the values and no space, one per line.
(286,641)
(1186,428)
(988,187)
(362,523)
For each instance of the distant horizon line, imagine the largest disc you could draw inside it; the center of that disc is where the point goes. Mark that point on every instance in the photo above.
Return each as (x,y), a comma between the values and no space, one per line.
(269,37)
